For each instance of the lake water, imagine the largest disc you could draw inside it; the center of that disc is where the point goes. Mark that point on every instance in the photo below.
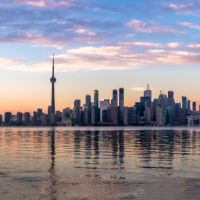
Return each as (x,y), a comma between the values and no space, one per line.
(100,163)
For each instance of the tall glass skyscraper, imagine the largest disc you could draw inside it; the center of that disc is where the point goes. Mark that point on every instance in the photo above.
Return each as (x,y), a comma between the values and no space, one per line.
(184,102)
(114,100)
(96,98)
(155,103)
(88,101)
(121,104)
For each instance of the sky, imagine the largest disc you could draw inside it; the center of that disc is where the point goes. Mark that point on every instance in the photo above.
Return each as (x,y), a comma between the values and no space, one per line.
(98,45)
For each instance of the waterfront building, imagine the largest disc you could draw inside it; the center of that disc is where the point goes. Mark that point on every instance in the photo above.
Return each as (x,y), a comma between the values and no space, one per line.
(53,80)
(104,115)
(184,102)
(8,116)
(121,104)
(95,115)
(53,119)
(96,98)
(108,100)
(88,101)
(87,116)
(103,106)
(177,106)
(26,118)
(1,119)
(162,101)
(39,112)
(159,115)
(77,103)
(188,105)
(168,115)
(58,116)
(139,108)
(44,119)
(34,121)
(147,93)
(143,104)
(182,116)
(49,111)
(76,112)
(148,104)
(113,114)
(155,103)
(19,117)
(35,114)
(130,116)
(114,99)
(194,106)
(147,115)
(170,94)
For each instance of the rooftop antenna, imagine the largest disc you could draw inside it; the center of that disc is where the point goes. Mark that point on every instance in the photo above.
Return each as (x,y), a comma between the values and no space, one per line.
(148,86)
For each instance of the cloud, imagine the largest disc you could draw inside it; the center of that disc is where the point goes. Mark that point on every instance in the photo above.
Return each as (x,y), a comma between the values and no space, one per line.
(194,47)
(129,35)
(138,89)
(107,58)
(84,31)
(150,27)
(47,3)
(144,44)
(184,9)
(189,25)
(173,45)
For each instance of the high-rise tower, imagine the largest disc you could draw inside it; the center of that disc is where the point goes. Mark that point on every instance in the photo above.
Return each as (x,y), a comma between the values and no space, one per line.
(53,80)
(121,104)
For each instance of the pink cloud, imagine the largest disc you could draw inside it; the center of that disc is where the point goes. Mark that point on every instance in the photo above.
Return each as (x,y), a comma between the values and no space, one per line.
(46,3)
(194,47)
(183,9)
(150,27)
(173,45)
(143,44)
(189,25)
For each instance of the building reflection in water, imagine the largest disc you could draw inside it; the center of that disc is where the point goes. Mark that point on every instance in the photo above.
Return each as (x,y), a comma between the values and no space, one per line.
(52,170)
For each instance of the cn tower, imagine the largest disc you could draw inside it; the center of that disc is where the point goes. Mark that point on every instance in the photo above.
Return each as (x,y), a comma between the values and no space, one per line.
(53,80)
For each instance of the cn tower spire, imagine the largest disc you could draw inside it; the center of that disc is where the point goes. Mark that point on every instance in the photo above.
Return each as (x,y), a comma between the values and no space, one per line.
(53,80)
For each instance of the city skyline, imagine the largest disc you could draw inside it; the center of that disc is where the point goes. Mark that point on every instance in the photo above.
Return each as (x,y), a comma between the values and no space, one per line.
(135,43)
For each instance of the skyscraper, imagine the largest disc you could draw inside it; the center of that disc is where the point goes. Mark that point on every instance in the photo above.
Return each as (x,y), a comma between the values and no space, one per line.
(184,102)
(155,103)
(188,105)
(170,94)
(53,80)
(7,118)
(147,93)
(88,101)
(77,103)
(114,99)
(39,112)
(121,104)
(96,98)
(194,106)
(27,118)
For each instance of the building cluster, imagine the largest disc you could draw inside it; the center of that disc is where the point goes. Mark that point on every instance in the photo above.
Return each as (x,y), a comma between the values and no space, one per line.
(161,111)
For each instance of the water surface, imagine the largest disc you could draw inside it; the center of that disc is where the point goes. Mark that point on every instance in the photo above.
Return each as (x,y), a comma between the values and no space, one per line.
(99,163)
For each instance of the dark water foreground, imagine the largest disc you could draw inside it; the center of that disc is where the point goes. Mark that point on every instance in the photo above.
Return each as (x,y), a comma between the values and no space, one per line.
(44,163)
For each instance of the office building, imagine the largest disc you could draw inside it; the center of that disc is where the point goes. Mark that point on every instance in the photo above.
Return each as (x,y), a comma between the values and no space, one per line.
(182,116)
(35,114)
(188,106)
(170,94)
(19,117)
(113,114)
(26,118)
(104,115)
(7,118)
(155,103)
(87,116)
(114,99)
(194,106)
(147,115)
(44,119)
(1,119)
(130,116)
(103,106)
(34,121)
(77,103)
(159,115)
(162,101)
(96,98)
(95,115)
(184,102)
(76,112)
(39,112)
(121,104)
(147,93)
(49,111)
(58,116)
(177,106)
(88,101)
(53,119)
(168,116)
